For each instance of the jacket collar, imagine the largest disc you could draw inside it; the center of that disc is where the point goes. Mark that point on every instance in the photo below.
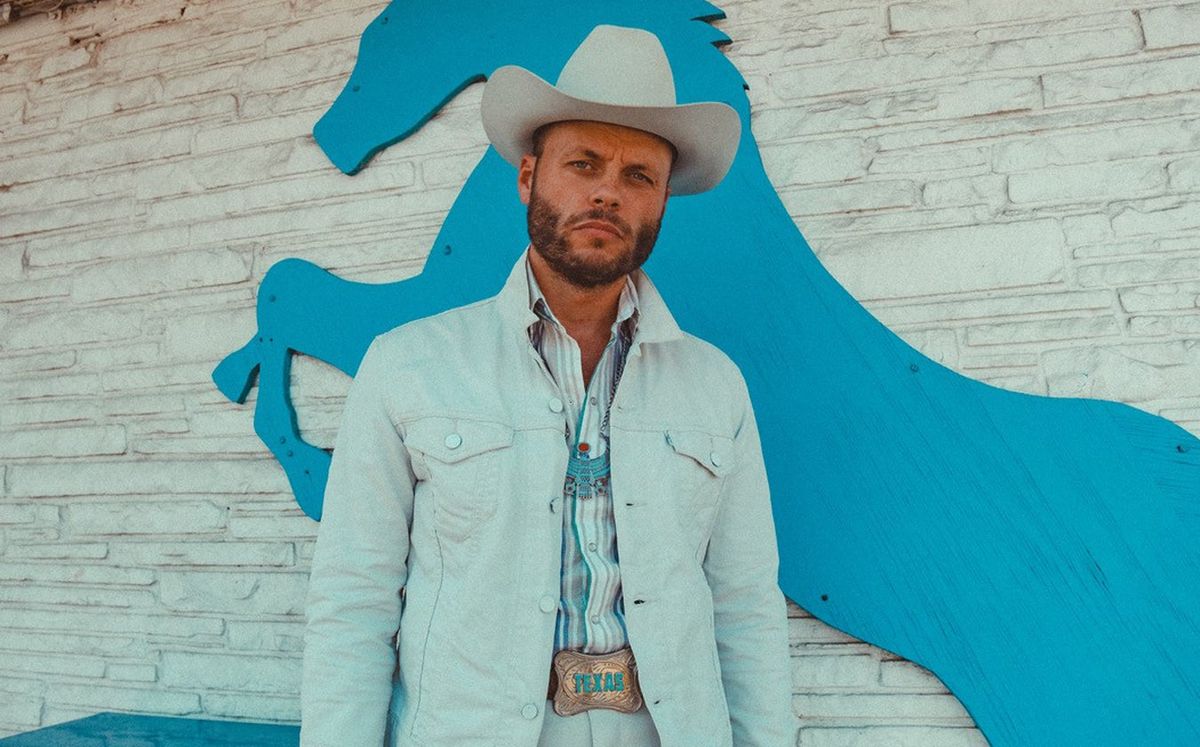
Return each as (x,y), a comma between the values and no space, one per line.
(655,322)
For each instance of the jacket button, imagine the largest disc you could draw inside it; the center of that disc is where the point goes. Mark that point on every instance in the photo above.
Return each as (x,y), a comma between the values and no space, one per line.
(547,603)
(529,711)
(556,404)
(453,441)
(715,458)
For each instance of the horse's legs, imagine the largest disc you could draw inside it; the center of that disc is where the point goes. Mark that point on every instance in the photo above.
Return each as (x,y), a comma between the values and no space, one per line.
(234,375)
(306,466)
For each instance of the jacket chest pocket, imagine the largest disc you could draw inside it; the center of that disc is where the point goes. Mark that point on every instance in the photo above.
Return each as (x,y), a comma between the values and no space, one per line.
(699,463)
(460,460)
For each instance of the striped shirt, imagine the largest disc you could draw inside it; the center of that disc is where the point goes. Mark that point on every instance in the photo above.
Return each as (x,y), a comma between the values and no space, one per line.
(591,610)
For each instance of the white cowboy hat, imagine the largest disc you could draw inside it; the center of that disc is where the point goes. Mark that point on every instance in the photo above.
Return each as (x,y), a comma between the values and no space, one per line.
(620,76)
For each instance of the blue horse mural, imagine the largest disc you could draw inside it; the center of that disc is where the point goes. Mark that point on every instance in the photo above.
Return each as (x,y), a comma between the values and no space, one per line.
(1037,554)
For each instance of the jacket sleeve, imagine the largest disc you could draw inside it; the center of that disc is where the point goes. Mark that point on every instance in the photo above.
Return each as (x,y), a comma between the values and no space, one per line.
(749,610)
(358,569)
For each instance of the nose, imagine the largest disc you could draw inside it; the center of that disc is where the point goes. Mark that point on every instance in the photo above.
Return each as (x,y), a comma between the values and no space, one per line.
(606,193)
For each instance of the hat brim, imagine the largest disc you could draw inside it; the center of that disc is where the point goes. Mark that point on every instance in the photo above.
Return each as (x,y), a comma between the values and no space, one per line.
(705,135)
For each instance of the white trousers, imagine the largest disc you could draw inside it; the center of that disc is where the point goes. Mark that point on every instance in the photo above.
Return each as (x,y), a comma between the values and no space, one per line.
(599,727)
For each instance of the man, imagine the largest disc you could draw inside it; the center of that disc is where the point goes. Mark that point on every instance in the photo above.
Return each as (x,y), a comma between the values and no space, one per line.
(462,591)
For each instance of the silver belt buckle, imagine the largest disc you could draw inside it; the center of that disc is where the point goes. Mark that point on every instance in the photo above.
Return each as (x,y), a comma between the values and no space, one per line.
(587,681)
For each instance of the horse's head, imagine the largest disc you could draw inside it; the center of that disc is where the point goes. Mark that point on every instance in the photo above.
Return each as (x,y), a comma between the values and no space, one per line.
(414,57)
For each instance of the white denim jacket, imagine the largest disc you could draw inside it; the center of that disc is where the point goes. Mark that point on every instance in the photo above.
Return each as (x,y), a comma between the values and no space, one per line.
(435,579)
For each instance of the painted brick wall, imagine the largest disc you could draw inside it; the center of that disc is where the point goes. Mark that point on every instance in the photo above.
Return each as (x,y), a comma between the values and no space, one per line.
(1013,187)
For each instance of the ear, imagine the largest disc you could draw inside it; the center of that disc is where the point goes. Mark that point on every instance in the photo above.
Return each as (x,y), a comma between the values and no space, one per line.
(525,177)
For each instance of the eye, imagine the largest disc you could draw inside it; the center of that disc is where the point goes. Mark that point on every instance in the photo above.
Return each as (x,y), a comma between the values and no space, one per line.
(638,175)
(581,165)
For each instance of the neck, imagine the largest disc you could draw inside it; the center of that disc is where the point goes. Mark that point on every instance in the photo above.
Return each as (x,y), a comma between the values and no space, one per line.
(582,311)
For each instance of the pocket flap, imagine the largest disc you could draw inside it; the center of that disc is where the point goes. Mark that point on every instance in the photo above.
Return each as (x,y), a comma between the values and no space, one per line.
(452,440)
(714,453)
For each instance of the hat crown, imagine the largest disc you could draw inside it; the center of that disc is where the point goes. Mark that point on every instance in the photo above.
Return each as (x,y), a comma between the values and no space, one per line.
(619,66)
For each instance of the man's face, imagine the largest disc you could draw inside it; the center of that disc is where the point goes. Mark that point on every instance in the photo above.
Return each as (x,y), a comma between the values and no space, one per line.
(596,197)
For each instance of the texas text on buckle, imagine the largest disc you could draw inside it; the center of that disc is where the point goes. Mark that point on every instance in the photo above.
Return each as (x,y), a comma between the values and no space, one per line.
(584,681)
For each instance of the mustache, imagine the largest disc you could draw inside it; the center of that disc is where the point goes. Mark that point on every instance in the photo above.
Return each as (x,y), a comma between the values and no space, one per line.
(604,215)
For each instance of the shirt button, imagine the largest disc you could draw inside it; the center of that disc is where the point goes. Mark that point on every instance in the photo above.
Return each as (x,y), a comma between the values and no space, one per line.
(715,458)
(547,603)
(556,404)
(591,545)
(595,618)
(529,711)
(453,441)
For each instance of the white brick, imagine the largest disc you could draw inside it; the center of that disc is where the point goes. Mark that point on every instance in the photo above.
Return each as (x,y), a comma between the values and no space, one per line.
(814,161)
(906,675)
(163,274)
(908,16)
(71,550)
(992,306)
(77,574)
(243,672)
(1138,271)
(131,672)
(284,527)
(232,592)
(834,672)
(103,102)
(112,698)
(1072,328)
(862,709)
(897,69)
(258,707)
(123,622)
(118,209)
(844,198)
(68,642)
(82,596)
(892,736)
(63,442)
(1184,174)
(1173,297)
(1171,25)
(147,477)
(34,290)
(62,386)
(41,664)
(989,190)
(1097,145)
(1157,216)
(129,241)
(156,517)
(20,711)
(266,636)
(948,260)
(1145,77)
(1129,373)
(1088,182)
(72,327)
(82,158)
(21,514)
(67,61)
(928,103)
(205,554)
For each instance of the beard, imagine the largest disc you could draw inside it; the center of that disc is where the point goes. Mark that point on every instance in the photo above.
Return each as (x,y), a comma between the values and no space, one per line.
(549,235)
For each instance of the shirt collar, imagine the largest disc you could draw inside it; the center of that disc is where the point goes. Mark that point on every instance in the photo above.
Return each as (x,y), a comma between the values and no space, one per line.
(655,323)
(627,304)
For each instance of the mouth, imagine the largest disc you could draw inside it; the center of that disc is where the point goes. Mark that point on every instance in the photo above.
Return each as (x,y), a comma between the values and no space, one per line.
(600,226)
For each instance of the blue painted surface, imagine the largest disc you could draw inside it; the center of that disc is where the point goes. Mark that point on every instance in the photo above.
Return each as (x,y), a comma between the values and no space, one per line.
(129,730)
(1037,554)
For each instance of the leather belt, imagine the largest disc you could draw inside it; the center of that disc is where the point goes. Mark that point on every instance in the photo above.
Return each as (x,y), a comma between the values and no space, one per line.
(581,682)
